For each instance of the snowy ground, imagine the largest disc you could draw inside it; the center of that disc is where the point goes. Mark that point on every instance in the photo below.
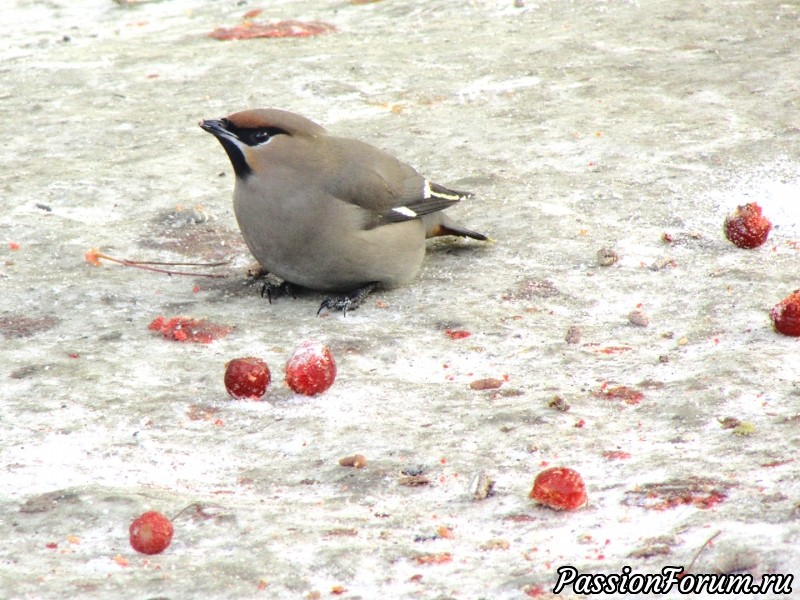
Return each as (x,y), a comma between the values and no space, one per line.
(579,125)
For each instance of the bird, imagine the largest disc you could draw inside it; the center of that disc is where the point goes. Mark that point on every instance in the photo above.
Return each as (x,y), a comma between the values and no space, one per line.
(330,213)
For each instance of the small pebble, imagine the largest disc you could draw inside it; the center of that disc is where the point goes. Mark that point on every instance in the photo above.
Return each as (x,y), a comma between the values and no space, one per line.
(481,487)
(573,335)
(412,470)
(729,422)
(414,480)
(639,318)
(359,461)
(559,404)
(607,257)
(489,383)
(664,261)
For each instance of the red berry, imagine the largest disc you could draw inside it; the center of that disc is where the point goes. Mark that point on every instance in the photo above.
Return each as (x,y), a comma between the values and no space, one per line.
(311,369)
(151,533)
(247,377)
(560,488)
(786,315)
(747,227)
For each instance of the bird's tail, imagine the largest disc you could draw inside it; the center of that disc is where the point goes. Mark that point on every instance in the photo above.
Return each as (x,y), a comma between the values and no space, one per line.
(439,224)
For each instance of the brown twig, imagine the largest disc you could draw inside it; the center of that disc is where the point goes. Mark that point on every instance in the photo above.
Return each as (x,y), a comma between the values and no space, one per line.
(94,257)
(700,551)
(175,264)
(199,509)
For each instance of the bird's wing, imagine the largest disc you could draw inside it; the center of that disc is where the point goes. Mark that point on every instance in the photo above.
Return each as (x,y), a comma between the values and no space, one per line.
(388,189)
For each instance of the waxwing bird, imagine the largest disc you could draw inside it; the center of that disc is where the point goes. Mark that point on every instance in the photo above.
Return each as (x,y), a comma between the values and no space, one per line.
(327,212)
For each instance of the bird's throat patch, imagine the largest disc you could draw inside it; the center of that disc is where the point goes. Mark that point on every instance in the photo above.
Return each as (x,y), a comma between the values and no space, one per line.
(238,160)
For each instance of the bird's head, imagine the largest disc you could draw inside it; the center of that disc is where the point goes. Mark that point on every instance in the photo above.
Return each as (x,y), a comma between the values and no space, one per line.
(243,134)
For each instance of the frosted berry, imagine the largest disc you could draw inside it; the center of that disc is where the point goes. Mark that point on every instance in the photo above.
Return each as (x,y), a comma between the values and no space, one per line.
(747,227)
(786,315)
(247,377)
(311,369)
(151,533)
(560,488)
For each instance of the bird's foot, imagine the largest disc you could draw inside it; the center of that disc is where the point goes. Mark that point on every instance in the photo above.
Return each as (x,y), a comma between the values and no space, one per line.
(349,301)
(273,289)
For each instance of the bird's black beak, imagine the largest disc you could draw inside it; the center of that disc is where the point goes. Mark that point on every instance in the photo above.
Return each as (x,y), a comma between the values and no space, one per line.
(216,127)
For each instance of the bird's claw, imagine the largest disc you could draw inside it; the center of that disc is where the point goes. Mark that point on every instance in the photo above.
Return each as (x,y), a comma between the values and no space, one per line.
(276,290)
(347,302)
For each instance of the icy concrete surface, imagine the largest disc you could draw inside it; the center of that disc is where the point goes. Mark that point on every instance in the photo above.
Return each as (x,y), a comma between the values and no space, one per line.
(580,126)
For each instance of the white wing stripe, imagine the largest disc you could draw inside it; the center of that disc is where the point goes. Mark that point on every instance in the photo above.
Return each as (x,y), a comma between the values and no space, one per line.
(428,193)
(405,211)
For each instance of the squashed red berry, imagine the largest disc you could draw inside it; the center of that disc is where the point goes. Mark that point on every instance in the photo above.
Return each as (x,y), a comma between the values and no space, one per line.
(280,29)
(186,329)
(151,533)
(786,315)
(560,488)
(247,377)
(747,227)
(311,369)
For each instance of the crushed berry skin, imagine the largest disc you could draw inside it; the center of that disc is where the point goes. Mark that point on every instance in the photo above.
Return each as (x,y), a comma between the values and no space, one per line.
(282,29)
(560,488)
(186,329)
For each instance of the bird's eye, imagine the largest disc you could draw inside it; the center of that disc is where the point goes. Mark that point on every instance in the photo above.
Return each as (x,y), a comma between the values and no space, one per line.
(260,136)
